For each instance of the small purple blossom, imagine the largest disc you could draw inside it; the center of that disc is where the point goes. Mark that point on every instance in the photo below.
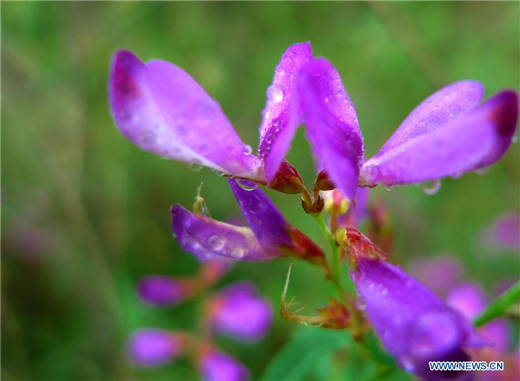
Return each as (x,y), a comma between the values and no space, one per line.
(164,290)
(412,322)
(441,273)
(219,366)
(154,347)
(270,235)
(239,312)
(504,232)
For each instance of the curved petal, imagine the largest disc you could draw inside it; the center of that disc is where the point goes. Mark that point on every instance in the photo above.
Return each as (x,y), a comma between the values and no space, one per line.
(208,239)
(161,109)
(413,323)
(471,142)
(269,225)
(332,126)
(282,115)
(437,111)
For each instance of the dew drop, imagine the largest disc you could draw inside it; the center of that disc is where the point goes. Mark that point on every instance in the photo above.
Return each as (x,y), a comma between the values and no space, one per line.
(514,139)
(195,165)
(269,138)
(248,150)
(431,187)
(389,187)
(247,185)
(148,139)
(280,71)
(216,243)
(482,171)
(326,99)
(219,173)
(360,304)
(275,93)
(237,252)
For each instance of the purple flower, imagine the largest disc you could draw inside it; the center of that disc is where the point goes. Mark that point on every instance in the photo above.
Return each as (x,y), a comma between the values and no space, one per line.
(219,366)
(504,232)
(161,109)
(154,347)
(165,290)
(239,312)
(441,273)
(270,235)
(412,322)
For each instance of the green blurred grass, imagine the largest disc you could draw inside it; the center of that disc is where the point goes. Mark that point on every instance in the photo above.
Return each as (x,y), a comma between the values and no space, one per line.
(85,213)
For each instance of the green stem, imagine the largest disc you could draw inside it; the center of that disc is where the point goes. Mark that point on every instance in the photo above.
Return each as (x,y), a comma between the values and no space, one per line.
(336,263)
(499,306)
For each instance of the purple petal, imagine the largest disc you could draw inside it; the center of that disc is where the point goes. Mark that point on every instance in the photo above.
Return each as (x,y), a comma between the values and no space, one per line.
(153,347)
(161,109)
(504,233)
(270,227)
(163,290)
(468,143)
(219,366)
(241,313)
(469,299)
(282,115)
(332,126)
(208,239)
(413,323)
(437,111)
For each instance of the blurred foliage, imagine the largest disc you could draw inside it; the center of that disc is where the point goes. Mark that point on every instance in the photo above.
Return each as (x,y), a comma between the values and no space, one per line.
(85,213)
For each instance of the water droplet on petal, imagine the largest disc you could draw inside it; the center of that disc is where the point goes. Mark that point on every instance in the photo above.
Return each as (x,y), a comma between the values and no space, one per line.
(514,139)
(431,187)
(195,165)
(482,171)
(389,187)
(280,71)
(238,252)
(360,304)
(248,150)
(219,173)
(148,139)
(216,243)
(275,93)
(247,185)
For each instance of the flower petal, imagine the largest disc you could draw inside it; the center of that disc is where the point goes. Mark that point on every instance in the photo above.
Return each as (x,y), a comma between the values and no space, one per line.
(471,142)
(282,115)
(270,227)
(413,323)
(437,111)
(219,366)
(332,126)
(164,290)
(161,109)
(208,239)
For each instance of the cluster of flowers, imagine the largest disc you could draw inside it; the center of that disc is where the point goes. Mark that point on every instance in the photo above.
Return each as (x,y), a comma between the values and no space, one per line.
(161,109)
(237,311)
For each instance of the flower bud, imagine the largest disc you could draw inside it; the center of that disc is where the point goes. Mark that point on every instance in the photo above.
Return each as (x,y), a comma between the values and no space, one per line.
(219,366)
(166,291)
(154,347)
(239,312)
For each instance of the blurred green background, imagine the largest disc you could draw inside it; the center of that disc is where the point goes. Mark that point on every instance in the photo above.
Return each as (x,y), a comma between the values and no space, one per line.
(85,213)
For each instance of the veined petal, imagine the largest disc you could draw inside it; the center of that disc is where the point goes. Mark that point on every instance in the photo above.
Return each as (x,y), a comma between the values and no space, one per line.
(436,111)
(282,114)
(161,109)
(412,322)
(269,225)
(208,239)
(332,126)
(470,142)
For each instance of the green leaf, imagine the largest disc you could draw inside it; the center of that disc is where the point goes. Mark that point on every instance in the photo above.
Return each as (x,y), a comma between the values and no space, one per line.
(500,306)
(299,356)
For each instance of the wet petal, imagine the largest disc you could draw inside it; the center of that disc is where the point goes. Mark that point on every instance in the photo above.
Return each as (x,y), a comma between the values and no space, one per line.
(332,126)
(413,324)
(437,111)
(270,227)
(238,311)
(282,114)
(471,142)
(208,239)
(161,109)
